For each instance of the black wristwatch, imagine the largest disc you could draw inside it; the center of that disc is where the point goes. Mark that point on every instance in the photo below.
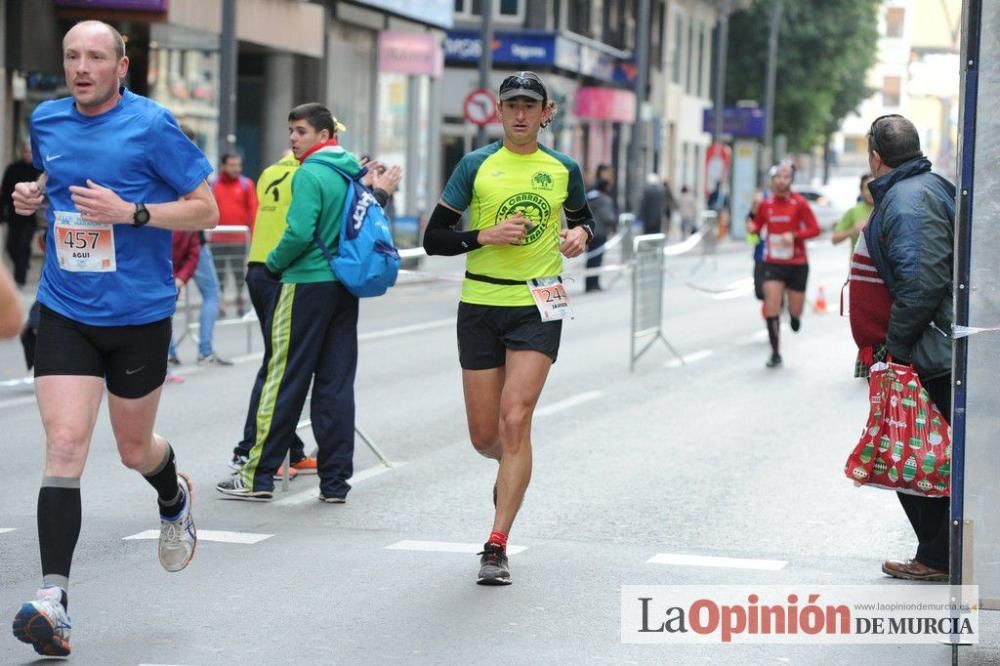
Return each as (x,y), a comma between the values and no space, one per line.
(590,232)
(141,216)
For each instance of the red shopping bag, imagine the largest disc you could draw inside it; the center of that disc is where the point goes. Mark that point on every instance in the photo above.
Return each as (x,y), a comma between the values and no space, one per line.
(906,444)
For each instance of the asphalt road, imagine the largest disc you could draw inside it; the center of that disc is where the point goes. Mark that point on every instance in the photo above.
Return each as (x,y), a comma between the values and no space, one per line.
(718,457)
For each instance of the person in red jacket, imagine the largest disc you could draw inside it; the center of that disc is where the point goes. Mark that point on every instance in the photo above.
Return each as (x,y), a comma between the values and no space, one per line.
(236,196)
(784,222)
(186,250)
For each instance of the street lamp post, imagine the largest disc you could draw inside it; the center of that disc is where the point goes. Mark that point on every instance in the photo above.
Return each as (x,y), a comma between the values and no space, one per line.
(636,169)
(772,67)
(485,61)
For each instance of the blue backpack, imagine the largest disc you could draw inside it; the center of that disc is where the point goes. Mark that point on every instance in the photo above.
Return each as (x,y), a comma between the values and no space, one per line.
(367,262)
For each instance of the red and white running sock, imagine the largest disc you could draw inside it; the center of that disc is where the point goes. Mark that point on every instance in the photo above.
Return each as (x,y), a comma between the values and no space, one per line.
(499,538)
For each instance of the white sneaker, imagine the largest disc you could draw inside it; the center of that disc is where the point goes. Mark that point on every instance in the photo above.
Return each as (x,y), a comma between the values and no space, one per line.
(44,623)
(178,535)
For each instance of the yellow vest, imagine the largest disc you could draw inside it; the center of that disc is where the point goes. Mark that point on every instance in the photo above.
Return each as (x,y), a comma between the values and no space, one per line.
(274,193)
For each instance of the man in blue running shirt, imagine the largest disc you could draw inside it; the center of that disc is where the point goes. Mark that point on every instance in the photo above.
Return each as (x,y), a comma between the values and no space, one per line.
(119,176)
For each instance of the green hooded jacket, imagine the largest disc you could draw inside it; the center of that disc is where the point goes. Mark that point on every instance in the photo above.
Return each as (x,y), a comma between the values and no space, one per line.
(318,194)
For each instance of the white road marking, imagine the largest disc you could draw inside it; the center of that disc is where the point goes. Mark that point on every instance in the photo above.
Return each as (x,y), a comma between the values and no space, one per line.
(312,494)
(693,357)
(402,330)
(680,559)
(4,530)
(209,535)
(23,381)
(447,547)
(568,402)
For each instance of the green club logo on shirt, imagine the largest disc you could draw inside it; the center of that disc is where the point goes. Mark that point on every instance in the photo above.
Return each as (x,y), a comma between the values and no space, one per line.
(533,207)
(542,181)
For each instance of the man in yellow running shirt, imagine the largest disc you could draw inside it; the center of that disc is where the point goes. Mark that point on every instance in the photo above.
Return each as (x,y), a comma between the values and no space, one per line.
(513,301)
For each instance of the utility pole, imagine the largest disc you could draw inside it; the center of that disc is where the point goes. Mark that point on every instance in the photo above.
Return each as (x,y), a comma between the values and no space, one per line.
(227,79)
(636,169)
(485,61)
(772,67)
(720,71)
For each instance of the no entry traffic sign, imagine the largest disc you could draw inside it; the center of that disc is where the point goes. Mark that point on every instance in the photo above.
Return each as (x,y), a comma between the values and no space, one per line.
(480,107)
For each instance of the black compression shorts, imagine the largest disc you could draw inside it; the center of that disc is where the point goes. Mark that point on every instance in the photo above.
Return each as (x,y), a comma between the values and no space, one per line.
(486,332)
(794,276)
(131,359)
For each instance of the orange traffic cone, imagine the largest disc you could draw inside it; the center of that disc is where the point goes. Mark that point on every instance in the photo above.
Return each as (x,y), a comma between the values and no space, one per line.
(820,304)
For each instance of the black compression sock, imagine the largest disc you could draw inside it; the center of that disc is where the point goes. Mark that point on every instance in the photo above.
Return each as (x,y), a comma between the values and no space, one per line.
(164,479)
(59,518)
(774,332)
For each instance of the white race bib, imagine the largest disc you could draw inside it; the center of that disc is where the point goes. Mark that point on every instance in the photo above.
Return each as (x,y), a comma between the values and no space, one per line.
(551,298)
(776,248)
(84,247)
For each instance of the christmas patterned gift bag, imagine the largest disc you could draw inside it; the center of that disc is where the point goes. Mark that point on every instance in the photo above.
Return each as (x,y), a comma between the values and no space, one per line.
(906,444)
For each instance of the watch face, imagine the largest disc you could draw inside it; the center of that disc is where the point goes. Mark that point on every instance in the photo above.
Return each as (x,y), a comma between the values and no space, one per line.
(141,216)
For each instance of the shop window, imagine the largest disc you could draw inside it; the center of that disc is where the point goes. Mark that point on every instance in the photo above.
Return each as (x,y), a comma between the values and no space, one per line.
(678,50)
(503,10)
(891,91)
(578,16)
(894,21)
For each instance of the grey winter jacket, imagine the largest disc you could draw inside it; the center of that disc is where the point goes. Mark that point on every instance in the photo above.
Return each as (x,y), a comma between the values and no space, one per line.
(911,240)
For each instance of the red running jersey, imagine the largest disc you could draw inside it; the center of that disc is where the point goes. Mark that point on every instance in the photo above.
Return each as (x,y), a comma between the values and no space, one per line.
(779,215)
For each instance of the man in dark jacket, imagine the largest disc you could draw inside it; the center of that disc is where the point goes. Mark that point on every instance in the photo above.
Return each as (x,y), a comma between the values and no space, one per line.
(605,220)
(910,238)
(20,228)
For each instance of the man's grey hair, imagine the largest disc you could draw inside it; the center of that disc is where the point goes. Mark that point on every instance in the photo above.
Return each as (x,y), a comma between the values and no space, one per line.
(116,37)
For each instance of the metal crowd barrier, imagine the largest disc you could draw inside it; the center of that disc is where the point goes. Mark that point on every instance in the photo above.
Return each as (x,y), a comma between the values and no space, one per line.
(647,295)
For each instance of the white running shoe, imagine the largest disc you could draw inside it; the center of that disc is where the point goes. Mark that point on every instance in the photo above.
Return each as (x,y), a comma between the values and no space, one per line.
(178,535)
(44,623)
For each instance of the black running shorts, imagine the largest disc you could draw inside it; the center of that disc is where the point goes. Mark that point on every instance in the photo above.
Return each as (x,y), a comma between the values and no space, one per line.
(793,275)
(486,332)
(131,359)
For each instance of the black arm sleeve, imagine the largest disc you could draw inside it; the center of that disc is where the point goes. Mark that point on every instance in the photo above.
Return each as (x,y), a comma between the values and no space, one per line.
(381,196)
(442,237)
(575,218)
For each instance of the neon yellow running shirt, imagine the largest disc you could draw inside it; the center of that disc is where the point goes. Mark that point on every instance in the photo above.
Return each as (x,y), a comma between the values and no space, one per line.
(493,184)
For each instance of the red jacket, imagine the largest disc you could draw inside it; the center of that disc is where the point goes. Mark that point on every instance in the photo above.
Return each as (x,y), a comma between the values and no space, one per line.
(187,249)
(778,215)
(870,303)
(237,199)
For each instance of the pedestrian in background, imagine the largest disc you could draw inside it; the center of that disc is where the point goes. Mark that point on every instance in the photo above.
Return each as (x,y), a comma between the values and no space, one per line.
(688,209)
(207,281)
(605,220)
(856,217)
(20,228)
(902,279)
(237,199)
(10,306)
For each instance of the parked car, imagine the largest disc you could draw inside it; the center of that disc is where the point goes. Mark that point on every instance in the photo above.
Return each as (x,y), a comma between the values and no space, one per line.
(827,214)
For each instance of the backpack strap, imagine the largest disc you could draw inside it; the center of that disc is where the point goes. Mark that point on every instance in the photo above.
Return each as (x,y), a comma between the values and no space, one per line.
(316,239)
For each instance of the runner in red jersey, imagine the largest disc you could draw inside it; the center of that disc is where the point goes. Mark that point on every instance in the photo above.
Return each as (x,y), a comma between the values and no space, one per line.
(784,222)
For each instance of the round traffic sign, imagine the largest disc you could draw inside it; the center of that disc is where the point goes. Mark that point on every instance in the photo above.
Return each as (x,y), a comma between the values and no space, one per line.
(480,107)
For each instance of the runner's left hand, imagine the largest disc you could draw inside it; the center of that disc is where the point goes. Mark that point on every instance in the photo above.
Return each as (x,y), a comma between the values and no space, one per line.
(573,243)
(97,203)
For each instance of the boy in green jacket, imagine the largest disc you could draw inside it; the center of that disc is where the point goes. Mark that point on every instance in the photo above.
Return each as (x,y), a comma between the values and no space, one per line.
(314,324)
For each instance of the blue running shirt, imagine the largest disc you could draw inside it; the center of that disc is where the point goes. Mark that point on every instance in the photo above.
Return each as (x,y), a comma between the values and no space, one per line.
(137,150)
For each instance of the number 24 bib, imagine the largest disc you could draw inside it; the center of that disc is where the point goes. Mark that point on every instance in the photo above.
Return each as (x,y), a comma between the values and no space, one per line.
(84,247)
